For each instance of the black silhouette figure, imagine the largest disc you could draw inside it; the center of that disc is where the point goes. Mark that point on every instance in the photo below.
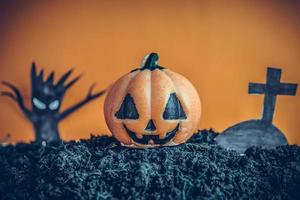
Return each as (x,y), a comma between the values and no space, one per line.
(46,100)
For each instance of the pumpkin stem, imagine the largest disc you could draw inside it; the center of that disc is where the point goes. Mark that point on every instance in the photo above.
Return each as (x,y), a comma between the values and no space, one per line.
(151,62)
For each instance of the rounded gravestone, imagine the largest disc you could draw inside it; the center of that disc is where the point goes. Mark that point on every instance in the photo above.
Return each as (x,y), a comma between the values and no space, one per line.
(251,133)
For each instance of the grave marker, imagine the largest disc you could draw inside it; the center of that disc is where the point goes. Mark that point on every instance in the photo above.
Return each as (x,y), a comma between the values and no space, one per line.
(259,132)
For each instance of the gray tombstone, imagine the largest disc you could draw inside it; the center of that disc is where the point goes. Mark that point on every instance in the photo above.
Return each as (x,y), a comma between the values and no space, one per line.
(259,132)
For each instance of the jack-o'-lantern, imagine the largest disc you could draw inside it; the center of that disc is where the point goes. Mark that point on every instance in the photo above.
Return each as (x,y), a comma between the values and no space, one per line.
(152,106)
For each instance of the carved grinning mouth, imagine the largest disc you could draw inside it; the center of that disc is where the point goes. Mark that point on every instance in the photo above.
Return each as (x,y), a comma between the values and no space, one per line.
(155,138)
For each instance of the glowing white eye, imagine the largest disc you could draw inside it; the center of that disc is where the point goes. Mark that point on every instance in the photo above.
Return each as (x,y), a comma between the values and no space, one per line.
(40,105)
(54,105)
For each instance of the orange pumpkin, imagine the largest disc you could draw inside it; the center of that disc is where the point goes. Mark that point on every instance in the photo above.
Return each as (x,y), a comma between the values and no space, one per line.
(152,106)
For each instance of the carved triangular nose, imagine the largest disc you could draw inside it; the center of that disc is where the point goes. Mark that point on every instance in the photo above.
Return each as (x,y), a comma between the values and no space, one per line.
(150,126)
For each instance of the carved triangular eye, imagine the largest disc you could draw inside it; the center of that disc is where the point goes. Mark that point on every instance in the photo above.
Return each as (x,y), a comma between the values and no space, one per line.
(128,109)
(150,126)
(174,109)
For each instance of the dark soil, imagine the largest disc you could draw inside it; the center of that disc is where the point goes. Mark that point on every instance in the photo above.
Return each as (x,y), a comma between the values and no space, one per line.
(99,168)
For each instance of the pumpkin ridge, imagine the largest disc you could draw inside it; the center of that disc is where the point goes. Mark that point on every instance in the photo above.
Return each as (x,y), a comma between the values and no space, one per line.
(178,93)
(166,76)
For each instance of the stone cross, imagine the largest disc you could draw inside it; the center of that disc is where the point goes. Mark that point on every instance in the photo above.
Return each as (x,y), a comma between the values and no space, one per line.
(271,89)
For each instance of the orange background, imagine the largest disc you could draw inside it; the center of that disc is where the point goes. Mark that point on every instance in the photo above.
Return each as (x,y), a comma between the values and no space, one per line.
(218,45)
